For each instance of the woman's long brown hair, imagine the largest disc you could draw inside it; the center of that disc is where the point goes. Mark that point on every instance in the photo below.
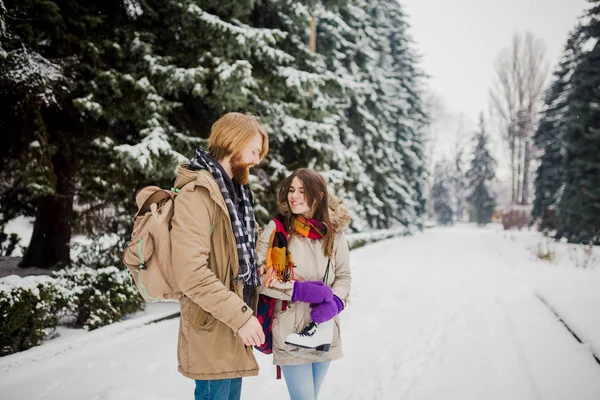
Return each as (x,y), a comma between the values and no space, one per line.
(315,190)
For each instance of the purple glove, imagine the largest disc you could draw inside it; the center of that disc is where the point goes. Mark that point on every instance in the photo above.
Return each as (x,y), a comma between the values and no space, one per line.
(311,292)
(327,310)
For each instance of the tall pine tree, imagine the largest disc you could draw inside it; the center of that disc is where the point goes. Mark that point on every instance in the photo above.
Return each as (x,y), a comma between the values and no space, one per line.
(441,194)
(374,62)
(307,123)
(550,134)
(479,176)
(139,84)
(49,51)
(579,206)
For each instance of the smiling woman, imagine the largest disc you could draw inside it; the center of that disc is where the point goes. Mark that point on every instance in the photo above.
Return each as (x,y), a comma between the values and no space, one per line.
(308,277)
(297,199)
(304,193)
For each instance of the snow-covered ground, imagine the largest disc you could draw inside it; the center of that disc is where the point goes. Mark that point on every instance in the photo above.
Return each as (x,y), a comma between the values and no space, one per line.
(23,227)
(452,313)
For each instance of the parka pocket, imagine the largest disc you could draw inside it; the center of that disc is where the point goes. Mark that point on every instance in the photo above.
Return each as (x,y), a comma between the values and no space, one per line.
(336,331)
(203,320)
(283,325)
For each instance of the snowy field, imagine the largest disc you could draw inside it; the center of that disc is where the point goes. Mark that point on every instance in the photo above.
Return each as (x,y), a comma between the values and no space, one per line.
(452,313)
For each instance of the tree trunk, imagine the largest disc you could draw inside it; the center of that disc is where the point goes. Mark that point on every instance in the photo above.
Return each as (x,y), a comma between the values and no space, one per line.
(529,132)
(513,167)
(50,241)
(312,44)
(519,170)
(526,173)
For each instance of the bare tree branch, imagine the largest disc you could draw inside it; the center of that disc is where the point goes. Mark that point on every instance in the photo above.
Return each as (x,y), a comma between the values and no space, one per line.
(515,99)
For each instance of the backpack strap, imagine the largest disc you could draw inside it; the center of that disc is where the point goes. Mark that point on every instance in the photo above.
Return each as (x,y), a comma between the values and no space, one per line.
(150,195)
(326,276)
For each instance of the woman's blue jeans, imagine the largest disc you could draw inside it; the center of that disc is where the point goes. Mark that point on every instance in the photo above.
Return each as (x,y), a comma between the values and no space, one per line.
(304,381)
(222,389)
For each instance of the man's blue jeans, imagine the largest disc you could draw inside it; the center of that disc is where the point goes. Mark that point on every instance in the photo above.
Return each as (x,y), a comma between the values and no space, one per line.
(222,389)
(304,381)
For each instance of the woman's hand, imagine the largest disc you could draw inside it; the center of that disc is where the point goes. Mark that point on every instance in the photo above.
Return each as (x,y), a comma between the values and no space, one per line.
(311,292)
(327,310)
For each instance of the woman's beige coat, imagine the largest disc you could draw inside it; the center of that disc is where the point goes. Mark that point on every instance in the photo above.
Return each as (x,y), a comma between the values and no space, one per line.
(311,264)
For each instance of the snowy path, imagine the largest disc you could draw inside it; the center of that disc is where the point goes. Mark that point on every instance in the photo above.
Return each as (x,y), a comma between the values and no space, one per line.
(466,323)
(447,314)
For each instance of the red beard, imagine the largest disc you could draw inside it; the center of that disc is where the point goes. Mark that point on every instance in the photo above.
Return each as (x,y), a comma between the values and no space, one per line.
(241,171)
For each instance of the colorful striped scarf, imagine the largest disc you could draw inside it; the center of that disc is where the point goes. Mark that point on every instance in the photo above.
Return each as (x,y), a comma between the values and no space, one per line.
(280,265)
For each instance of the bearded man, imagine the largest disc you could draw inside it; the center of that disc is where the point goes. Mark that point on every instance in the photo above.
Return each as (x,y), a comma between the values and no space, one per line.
(213,240)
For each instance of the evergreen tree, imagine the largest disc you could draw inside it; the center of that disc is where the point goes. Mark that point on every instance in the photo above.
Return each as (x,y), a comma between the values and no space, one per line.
(137,86)
(311,132)
(338,44)
(550,134)
(201,59)
(481,197)
(164,72)
(441,194)
(49,49)
(408,118)
(371,56)
(579,205)
(116,94)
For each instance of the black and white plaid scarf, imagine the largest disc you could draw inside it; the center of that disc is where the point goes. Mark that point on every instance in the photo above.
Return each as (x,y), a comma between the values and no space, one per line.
(244,232)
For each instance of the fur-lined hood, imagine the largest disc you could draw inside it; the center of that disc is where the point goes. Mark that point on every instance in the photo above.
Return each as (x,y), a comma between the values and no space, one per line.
(338,213)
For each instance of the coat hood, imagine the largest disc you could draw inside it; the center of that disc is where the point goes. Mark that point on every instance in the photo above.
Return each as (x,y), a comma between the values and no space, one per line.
(338,213)
(185,176)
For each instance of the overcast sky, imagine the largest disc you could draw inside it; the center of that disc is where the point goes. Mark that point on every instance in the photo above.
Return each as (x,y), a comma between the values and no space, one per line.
(459,41)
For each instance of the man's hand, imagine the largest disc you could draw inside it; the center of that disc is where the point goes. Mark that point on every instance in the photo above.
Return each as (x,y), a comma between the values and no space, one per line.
(251,333)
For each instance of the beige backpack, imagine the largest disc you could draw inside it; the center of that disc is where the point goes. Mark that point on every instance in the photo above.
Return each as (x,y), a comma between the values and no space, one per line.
(148,254)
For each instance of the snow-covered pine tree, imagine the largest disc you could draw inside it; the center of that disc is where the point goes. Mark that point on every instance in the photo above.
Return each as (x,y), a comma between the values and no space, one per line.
(258,60)
(549,137)
(161,73)
(579,206)
(408,121)
(224,58)
(441,194)
(138,92)
(307,123)
(373,64)
(310,127)
(49,50)
(549,177)
(479,176)
(376,115)
(197,60)
(340,48)
(339,44)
